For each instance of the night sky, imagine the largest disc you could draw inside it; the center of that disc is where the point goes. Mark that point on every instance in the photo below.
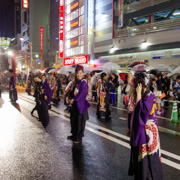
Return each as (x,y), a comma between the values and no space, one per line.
(7,18)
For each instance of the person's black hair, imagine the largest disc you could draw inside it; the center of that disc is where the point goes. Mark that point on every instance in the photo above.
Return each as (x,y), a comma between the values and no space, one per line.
(139,79)
(11,70)
(103,75)
(79,68)
(126,76)
(43,75)
(178,77)
(36,75)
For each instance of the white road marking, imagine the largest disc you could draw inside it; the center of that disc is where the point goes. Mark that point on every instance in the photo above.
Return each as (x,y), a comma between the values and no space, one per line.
(177,157)
(124,119)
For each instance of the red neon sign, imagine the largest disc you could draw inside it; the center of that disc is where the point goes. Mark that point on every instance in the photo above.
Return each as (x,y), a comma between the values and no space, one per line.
(75,60)
(61,28)
(41,30)
(25,4)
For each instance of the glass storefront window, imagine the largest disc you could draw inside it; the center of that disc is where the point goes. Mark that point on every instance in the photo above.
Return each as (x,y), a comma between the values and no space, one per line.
(74,33)
(74,14)
(68,26)
(68,10)
(81,10)
(81,20)
(81,40)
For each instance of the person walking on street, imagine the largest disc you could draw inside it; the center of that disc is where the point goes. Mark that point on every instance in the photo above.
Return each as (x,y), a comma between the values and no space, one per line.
(41,104)
(12,88)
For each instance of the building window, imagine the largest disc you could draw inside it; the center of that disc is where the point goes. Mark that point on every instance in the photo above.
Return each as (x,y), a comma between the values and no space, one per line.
(25,17)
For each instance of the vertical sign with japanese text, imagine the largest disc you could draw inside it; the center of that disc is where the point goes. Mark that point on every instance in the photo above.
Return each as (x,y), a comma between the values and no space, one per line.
(41,30)
(90,17)
(25,4)
(121,13)
(61,28)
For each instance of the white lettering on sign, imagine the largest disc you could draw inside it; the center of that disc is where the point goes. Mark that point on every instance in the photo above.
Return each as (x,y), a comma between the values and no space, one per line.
(69,61)
(80,60)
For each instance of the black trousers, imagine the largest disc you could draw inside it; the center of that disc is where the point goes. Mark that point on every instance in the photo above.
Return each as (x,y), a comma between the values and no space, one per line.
(78,122)
(13,95)
(42,109)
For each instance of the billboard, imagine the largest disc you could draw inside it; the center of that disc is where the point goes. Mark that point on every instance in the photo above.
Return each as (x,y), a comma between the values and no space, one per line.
(41,29)
(75,60)
(5,42)
(25,4)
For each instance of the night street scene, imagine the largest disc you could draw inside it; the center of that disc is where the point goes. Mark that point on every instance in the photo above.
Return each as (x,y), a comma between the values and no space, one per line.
(89,89)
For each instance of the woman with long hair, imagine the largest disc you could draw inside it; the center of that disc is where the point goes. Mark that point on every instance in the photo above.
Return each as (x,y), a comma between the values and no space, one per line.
(79,109)
(145,162)
(103,97)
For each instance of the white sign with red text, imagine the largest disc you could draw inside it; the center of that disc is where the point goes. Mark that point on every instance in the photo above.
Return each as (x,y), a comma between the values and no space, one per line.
(41,29)
(76,60)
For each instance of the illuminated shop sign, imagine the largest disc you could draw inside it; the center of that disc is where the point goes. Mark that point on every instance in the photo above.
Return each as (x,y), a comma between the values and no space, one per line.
(25,4)
(76,60)
(90,17)
(74,6)
(74,42)
(74,24)
(61,28)
(41,30)
(121,12)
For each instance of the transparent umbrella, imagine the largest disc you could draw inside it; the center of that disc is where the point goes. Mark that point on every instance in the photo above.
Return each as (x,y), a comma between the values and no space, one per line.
(65,70)
(110,67)
(163,68)
(175,71)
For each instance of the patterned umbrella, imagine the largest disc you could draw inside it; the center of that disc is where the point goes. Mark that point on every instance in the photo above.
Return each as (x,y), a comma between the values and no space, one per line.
(136,63)
(139,67)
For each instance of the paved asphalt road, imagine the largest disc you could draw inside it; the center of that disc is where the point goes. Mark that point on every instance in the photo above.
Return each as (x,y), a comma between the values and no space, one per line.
(28,151)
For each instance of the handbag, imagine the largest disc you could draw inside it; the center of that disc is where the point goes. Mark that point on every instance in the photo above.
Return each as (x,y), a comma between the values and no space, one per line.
(157,93)
(163,95)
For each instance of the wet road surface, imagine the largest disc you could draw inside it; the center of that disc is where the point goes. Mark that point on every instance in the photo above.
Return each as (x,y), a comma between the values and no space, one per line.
(28,151)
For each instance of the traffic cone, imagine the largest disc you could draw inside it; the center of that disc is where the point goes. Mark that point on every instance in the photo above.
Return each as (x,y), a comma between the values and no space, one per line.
(174,115)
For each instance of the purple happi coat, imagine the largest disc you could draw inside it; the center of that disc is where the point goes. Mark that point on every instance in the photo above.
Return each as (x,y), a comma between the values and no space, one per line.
(80,94)
(47,91)
(12,82)
(145,142)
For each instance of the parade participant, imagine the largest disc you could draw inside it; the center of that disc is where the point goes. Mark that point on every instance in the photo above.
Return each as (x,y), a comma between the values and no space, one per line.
(41,104)
(145,162)
(103,97)
(113,84)
(29,83)
(79,110)
(47,91)
(12,88)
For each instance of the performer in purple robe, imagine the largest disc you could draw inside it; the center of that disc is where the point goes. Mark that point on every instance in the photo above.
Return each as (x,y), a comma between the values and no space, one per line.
(145,162)
(46,90)
(12,88)
(79,109)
